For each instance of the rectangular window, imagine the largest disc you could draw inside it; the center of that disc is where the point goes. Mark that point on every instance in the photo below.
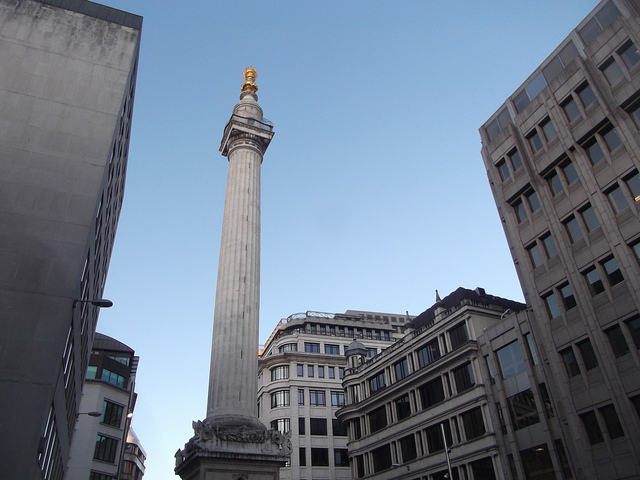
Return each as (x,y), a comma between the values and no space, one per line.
(433,434)
(463,376)
(612,72)
(533,200)
(573,229)
(551,301)
(408,448)
(590,218)
(111,413)
(331,349)
(535,141)
(629,54)
(633,324)
(617,199)
(302,456)
(473,423)
(403,407)
(510,359)
(555,184)
(340,457)
(535,255)
(377,419)
(611,138)
(516,160)
(320,457)
(594,151)
(338,428)
(458,336)
(431,392)
(570,108)
(311,347)
(522,408)
(588,355)
(381,458)
(332,372)
(614,275)
(587,97)
(611,421)
(503,169)
(337,399)
(532,348)
(549,130)
(280,398)
(301,426)
(105,449)
(592,428)
(310,371)
(280,372)
(570,362)
(300,370)
(569,172)
(282,425)
(92,370)
(616,340)
(301,396)
(568,299)
(633,182)
(317,398)
(112,378)
(340,373)
(288,347)
(401,369)
(377,382)
(320,371)
(549,245)
(318,426)
(429,353)
(520,210)
(594,281)
(356,429)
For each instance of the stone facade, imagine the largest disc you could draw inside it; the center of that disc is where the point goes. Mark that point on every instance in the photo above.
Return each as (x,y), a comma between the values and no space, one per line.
(562,155)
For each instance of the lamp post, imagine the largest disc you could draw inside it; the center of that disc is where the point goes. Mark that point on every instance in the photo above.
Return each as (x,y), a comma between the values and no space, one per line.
(446,451)
(96,302)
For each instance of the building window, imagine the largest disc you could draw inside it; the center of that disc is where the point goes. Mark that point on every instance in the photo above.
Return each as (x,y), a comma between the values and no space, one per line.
(280,372)
(629,54)
(569,172)
(332,372)
(431,392)
(377,382)
(611,138)
(283,425)
(320,371)
(533,200)
(535,141)
(318,426)
(102,476)
(280,398)
(359,466)
(300,370)
(371,352)
(570,362)
(516,160)
(537,461)
(302,456)
(633,324)
(612,72)
(381,458)
(337,399)
(429,353)
(616,340)
(617,199)
(317,398)
(594,281)
(105,449)
(320,457)
(590,218)
(378,419)
(614,275)
(458,336)
(311,347)
(310,371)
(503,169)
(301,396)
(112,378)
(535,255)
(568,299)
(408,448)
(522,408)
(401,369)
(340,373)
(111,413)
(356,430)
(633,182)
(594,151)
(473,423)
(520,210)
(338,428)
(532,348)
(555,184)
(549,245)
(433,435)
(549,130)
(510,359)
(463,376)
(288,347)
(570,108)
(592,428)
(340,457)
(551,301)
(92,370)
(403,407)
(330,349)
(301,428)
(588,355)
(587,97)
(611,421)
(573,229)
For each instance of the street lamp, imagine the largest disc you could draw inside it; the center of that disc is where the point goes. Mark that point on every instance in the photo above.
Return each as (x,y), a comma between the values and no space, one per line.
(91,414)
(97,302)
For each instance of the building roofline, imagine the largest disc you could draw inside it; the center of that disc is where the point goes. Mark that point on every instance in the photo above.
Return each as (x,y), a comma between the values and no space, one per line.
(96,10)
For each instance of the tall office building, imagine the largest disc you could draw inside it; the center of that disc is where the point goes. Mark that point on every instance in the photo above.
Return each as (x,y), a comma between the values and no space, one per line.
(104,417)
(562,155)
(300,373)
(67,82)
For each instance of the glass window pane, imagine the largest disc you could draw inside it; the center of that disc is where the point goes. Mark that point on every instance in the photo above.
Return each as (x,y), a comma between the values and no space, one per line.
(503,169)
(613,72)
(516,160)
(616,340)
(588,355)
(590,218)
(633,182)
(595,152)
(573,229)
(587,97)
(549,130)
(552,305)
(570,362)
(521,212)
(629,54)
(510,359)
(612,139)
(549,246)
(593,280)
(571,109)
(535,141)
(592,428)
(611,421)
(533,200)
(535,86)
(634,328)
(614,275)
(535,255)
(617,199)
(555,183)
(570,173)
(568,299)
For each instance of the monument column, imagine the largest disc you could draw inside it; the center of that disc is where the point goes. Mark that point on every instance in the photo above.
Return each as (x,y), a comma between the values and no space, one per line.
(231,443)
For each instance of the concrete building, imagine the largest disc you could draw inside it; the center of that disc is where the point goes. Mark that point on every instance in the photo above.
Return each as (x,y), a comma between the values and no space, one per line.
(133,459)
(300,374)
(67,83)
(562,155)
(97,447)
(439,382)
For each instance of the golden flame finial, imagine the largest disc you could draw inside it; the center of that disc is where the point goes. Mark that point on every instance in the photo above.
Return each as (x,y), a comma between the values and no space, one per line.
(250,74)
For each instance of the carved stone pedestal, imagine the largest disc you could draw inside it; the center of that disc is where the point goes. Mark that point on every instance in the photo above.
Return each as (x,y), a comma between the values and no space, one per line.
(232,452)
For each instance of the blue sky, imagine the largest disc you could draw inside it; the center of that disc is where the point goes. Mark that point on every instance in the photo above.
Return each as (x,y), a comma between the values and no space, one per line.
(374,192)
